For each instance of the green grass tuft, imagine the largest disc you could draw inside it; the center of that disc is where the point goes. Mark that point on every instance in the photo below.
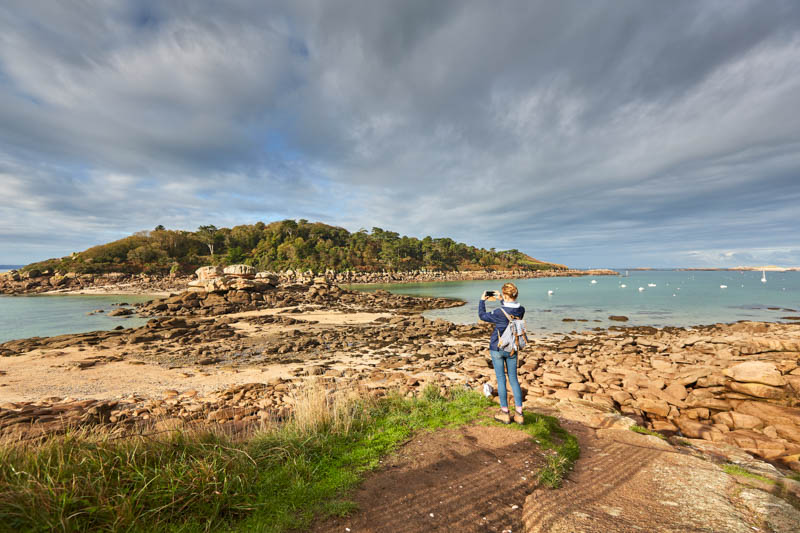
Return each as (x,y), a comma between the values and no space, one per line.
(736,470)
(562,445)
(646,431)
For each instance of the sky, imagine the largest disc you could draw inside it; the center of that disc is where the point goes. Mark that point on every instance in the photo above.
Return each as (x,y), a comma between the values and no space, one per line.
(607,133)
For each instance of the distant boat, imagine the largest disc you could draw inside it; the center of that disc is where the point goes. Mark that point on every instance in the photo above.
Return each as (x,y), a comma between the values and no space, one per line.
(594,281)
(626,273)
(763,276)
(622,286)
(549,293)
(723,286)
(651,284)
(641,289)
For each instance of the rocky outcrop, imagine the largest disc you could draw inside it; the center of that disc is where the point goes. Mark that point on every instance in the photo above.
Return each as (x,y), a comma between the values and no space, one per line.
(734,384)
(699,485)
(240,405)
(200,343)
(244,271)
(35,282)
(755,372)
(421,276)
(156,330)
(208,272)
(232,294)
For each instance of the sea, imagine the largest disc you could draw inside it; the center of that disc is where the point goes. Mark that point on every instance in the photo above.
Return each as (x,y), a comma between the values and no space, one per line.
(46,315)
(553,305)
(647,298)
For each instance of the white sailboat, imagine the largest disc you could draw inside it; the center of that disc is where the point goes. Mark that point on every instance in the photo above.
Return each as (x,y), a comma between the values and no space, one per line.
(763,276)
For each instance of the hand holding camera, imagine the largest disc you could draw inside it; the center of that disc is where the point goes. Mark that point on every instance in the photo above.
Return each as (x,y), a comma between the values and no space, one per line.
(489,295)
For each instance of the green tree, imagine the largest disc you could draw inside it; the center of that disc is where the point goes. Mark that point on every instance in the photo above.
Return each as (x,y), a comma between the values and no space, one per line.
(235,255)
(209,235)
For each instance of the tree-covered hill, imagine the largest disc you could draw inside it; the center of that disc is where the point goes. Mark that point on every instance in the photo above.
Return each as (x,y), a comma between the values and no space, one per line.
(286,244)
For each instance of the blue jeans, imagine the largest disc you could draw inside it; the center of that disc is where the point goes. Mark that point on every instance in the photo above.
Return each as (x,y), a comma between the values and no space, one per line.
(502,361)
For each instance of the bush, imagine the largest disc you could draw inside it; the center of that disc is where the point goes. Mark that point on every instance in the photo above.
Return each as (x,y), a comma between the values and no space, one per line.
(234,256)
(146,254)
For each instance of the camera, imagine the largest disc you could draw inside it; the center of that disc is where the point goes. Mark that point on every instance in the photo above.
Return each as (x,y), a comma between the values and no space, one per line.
(491,294)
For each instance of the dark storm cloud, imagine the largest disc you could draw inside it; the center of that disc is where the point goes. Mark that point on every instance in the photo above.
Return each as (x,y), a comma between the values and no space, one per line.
(614,132)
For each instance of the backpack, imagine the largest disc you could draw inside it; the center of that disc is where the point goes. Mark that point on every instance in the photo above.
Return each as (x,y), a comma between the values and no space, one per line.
(514,338)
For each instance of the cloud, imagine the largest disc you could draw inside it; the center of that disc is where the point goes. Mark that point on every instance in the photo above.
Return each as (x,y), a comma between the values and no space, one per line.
(588,134)
(747,257)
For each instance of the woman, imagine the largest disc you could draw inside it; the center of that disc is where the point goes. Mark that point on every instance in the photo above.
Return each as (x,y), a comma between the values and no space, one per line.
(502,360)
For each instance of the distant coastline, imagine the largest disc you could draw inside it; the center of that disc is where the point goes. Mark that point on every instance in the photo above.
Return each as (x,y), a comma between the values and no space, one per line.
(769,268)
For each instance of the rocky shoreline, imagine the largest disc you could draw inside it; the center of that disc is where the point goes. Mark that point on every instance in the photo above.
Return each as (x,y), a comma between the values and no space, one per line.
(17,282)
(236,349)
(35,282)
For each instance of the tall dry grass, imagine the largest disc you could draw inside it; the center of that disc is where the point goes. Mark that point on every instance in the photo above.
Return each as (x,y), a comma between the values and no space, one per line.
(318,408)
(89,479)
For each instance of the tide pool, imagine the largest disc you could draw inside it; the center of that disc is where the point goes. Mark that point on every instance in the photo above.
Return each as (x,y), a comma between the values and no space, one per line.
(648,298)
(47,315)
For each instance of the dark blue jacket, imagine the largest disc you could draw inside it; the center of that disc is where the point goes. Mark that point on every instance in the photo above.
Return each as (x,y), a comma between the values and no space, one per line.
(499,320)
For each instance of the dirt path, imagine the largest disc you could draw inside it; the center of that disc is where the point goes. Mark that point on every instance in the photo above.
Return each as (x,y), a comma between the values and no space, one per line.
(483,478)
(470,479)
(623,483)
(629,482)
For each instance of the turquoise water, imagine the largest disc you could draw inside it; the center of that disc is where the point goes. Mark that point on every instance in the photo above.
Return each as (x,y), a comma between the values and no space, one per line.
(46,315)
(678,298)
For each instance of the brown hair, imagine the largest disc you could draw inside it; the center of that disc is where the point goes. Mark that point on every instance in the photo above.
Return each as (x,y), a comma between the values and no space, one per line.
(510,290)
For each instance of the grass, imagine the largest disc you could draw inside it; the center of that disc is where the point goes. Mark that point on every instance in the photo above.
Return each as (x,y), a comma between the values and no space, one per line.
(562,445)
(646,431)
(736,470)
(276,480)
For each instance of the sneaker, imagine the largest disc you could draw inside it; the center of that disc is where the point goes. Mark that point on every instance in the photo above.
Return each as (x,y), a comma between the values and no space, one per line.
(503,417)
(518,418)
